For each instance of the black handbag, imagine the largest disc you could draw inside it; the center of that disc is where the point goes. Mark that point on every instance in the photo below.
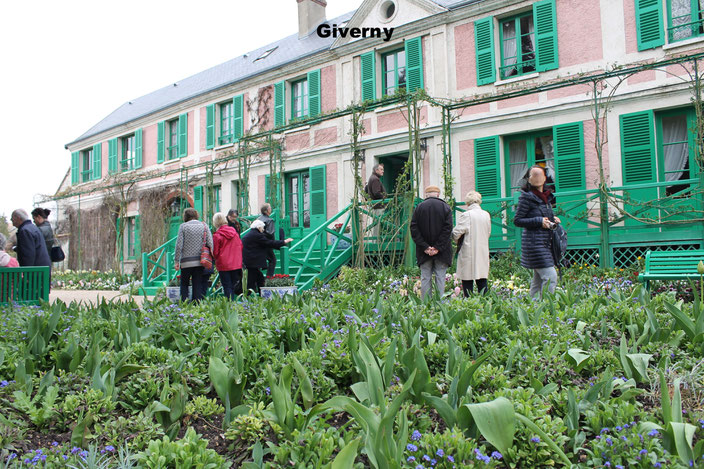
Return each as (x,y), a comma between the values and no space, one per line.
(57,254)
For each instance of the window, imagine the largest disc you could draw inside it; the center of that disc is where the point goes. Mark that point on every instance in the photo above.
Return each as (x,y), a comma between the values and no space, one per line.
(216,198)
(685,18)
(127,154)
(393,71)
(131,237)
(239,200)
(675,152)
(299,99)
(226,123)
(298,199)
(87,160)
(525,150)
(172,140)
(517,46)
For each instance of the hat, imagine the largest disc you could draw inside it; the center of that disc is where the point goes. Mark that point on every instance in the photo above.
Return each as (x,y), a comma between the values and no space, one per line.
(432,189)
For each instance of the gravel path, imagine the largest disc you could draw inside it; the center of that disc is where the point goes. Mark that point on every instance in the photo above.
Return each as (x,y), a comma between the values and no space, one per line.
(90,296)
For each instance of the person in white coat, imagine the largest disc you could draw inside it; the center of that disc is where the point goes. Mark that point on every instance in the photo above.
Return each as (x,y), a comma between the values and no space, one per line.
(472,235)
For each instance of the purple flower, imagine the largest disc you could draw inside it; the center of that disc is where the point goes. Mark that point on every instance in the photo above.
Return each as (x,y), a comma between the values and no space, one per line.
(450,458)
(267,390)
(426,458)
(440,453)
(411,459)
(416,435)
(496,455)
(535,439)
(411,447)
(653,432)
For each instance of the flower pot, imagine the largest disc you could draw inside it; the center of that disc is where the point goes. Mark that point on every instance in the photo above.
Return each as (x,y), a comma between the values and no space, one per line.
(270,292)
(174,293)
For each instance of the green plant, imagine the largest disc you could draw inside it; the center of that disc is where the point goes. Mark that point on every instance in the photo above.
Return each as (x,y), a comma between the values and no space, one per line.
(135,432)
(449,449)
(201,406)
(40,409)
(311,447)
(168,410)
(280,280)
(141,389)
(90,402)
(189,452)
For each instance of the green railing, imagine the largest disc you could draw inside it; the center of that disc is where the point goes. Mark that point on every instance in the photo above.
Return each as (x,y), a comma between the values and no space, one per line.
(158,267)
(24,285)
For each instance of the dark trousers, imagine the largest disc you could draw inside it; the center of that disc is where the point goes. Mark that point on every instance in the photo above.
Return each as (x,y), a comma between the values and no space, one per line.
(196,275)
(468,286)
(271,262)
(231,282)
(255,280)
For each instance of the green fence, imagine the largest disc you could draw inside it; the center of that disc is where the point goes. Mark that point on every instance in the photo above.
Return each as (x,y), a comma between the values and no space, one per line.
(24,285)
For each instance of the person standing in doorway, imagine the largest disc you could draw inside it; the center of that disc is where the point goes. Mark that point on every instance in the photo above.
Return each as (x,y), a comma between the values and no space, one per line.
(269,232)
(375,190)
(534,214)
(431,229)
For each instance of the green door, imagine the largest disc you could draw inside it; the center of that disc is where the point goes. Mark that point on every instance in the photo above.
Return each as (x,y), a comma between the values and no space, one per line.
(297,201)
(176,208)
(394,179)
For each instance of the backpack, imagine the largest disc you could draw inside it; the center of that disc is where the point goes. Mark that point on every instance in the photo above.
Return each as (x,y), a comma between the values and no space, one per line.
(559,244)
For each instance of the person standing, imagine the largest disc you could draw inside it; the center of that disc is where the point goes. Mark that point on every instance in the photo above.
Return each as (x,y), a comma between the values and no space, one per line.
(269,232)
(31,247)
(192,235)
(40,216)
(233,220)
(255,244)
(227,251)
(431,229)
(534,214)
(375,190)
(6,260)
(472,235)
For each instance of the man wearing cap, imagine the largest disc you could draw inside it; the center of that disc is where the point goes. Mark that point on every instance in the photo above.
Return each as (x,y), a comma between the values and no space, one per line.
(431,229)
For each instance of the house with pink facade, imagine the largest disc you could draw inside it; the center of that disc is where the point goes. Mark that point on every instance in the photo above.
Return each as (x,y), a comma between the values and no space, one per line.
(601,92)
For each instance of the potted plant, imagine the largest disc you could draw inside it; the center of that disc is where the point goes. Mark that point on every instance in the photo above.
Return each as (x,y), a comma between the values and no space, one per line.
(280,285)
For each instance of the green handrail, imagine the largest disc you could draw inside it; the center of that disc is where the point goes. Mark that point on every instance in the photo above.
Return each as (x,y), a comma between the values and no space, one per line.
(24,285)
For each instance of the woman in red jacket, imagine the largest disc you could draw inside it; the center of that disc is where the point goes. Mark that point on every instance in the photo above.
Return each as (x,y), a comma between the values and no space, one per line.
(227,250)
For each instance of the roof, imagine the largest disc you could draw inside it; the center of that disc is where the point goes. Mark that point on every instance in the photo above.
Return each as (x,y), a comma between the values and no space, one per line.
(287,50)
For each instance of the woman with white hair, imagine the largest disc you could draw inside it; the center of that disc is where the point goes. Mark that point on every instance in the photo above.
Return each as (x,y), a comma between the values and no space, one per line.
(472,235)
(254,253)
(6,260)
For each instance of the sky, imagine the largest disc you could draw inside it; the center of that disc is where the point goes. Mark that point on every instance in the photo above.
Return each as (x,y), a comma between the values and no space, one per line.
(68,64)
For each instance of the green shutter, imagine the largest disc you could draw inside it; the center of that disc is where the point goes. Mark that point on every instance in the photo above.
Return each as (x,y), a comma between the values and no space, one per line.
(638,161)
(368,74)
(318,198)
(198,200)
(238,113)
(182,135)
(314,93)
(414,64)
(486,167)
(569,156)
(112,156)
(484,48)
(138,149)
(279,104)
(137,238)
(97,161)
(210,126)
(75,167)
(545,20)
(160,147)
(649,24)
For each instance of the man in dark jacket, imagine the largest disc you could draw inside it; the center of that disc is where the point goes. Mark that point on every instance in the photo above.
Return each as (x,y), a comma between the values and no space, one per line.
(31,247)
(269,230)
(431,229)
(255,245)
(375,190)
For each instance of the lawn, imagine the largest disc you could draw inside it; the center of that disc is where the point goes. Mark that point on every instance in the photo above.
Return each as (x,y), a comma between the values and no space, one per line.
(362,373)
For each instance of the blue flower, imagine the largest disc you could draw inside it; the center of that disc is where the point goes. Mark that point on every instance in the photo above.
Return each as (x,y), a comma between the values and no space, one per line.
(416,435)
(450,458)
(535,439)
(411,459)
(653,432)
(496,455)
(426,458)
(604,430)
(609,442)
(618,428)
(643,451)
(411,447)
(657,464)
(440,453)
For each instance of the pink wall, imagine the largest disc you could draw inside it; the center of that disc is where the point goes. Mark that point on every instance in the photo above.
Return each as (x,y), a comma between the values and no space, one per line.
(149,137)
(332,188)
(398,120)
(520,101)
(297,141)
(465,61)
(478,109)
(326,136)
(260,186)
(466,167)
(104,159)
(629,20)
(578,20)
(328,101)
(679,70)
(202,129)
(426,171)
(367,124)
(591,161)
(641,77)
(191,129)
(568,91)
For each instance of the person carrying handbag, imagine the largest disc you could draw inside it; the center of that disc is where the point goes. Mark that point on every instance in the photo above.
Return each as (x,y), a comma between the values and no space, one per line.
(194,245)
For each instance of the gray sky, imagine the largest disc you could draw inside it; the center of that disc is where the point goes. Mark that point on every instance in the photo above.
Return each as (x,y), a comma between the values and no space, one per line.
(68,64)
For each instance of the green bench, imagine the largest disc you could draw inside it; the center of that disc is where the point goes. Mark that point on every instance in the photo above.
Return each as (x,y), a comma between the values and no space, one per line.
(670,265)
(24,285)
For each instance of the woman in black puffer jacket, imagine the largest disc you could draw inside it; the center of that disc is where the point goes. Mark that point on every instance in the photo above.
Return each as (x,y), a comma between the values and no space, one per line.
(534,214)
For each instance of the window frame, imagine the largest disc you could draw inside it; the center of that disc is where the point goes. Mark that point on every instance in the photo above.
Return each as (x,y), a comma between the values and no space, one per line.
(127,164)
(172,139)
(696,13)
(305,110)
(131,235)
(238,196)
(384,71)
(520,65)
(226,109)
(530,138)
(691,168)
(217,197)
(302,197)
(86,174)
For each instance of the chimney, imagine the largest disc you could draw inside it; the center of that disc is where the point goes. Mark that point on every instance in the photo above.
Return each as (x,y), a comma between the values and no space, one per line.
(310,14)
